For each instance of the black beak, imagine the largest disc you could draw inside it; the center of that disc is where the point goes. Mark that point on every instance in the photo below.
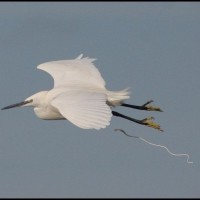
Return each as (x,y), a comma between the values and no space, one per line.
(17,104)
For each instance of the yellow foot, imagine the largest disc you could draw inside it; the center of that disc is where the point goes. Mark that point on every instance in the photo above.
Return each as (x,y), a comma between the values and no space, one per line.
(151,108)
(148,122)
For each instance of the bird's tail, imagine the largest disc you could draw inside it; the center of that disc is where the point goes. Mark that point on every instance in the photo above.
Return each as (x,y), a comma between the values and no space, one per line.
(116,98)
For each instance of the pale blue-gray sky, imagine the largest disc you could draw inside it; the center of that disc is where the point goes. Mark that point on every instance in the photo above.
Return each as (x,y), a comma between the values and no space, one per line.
(152,48)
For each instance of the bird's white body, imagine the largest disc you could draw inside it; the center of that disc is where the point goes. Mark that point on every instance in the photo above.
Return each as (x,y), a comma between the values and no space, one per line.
(79,94)
(44,110)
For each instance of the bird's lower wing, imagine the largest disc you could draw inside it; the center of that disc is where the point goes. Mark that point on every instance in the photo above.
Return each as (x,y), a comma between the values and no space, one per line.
(87,110)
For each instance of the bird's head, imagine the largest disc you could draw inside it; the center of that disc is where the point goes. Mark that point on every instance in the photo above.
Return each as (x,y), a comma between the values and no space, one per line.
(33,100)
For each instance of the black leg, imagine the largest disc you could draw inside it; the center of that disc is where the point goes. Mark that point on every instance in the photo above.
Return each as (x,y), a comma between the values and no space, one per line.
(145,106)
(147,121)
(126,117)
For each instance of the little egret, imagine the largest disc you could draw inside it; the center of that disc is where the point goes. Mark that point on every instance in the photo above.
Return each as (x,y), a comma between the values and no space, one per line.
(79,95)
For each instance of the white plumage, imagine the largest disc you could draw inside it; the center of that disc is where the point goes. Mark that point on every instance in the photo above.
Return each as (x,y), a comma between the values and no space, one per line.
(79,93)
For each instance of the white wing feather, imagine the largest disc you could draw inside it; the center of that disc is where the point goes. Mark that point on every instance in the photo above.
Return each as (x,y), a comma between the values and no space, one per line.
(87,110)
(78,71)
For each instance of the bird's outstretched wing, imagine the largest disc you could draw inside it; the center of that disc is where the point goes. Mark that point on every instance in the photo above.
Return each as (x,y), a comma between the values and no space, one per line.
(87,110)
(77,71)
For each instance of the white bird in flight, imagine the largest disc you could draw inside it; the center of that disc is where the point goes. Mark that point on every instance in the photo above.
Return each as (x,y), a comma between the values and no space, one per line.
(79,96)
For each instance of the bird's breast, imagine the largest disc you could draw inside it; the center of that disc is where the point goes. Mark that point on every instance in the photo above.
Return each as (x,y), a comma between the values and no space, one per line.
(48,113)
